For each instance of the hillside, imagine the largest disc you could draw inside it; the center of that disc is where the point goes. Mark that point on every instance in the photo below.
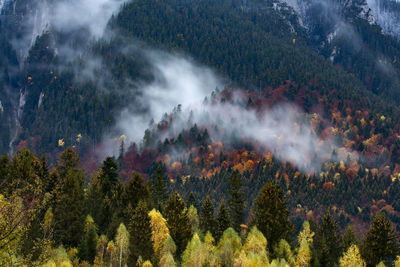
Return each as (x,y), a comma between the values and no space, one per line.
(178,124)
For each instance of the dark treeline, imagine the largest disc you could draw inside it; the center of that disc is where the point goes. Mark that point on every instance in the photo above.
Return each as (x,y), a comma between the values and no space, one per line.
(55,216)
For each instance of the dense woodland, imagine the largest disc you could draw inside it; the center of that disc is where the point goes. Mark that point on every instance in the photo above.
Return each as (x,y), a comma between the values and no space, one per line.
(189,199)
(55,217)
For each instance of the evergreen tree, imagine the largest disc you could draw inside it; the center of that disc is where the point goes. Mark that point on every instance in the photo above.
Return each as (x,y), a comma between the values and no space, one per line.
(192,200)
(236,200)
(69,203)
(87,247)
(140,233)
(178,221)
(381,242)
(193,218)
(109,175)
(223,220)
(349,238)
(158,185)
(134,191)
(271,215)
(327,243)
(207,220)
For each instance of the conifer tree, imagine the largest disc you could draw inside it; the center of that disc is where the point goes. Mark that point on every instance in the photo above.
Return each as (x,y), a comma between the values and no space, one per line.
(381,242)
(178,221)
(223,220)
(134,191)
(271,216)
(158,186)
(196,253)
(352,257)
(68,208)
(87,247)
(140,233)
(236,200)
(349,238)
(159,232)
(327,243)
(193,218)
(207,220)
(109,175)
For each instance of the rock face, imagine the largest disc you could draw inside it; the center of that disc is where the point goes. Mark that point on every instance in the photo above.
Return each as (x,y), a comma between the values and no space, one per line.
(387,15)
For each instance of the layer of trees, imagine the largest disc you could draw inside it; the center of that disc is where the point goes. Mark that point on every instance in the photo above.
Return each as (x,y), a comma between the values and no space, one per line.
(55,217)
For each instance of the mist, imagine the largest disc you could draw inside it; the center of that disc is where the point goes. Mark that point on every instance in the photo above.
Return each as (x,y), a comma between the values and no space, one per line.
(181,85)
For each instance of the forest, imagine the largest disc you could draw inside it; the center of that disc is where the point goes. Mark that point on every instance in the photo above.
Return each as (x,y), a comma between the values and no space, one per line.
(52,216)
(208,192)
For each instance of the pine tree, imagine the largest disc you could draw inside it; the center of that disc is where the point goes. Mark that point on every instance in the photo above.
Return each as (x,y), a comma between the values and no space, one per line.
(158,185)
(381,242)
(140,233)
(271,215)
(327,243)
(236,200)
(178,221)
(223,220)
(207,220)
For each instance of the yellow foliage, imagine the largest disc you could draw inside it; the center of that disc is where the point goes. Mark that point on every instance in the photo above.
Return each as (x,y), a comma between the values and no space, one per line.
(79,138)
(352,258)
(61,143)
(159,230)
(397,262)
(147,264)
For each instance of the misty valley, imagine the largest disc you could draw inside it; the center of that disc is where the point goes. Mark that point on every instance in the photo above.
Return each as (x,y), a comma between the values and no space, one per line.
(229,133)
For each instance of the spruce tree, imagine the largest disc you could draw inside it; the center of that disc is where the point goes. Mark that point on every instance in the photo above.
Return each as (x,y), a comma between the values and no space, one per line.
(223,220)
(381,242)
(158,186)
(271,216)
(134,191)
(178,221)
(236,200)
(207,220)
(87,247)
(327,241)
(69,201)
(349,238)
(140,233)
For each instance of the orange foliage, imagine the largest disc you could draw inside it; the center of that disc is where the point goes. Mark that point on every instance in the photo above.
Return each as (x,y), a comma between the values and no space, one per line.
(176,166)
(328,185)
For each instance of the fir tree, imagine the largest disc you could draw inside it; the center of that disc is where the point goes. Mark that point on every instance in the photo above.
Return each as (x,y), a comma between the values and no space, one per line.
(178,221)
(381,242)
(87,247)
(140,233)
(207,220)
(349,238)
(158,185)
(236,200)
(271,215)
(327,241)
(68,208)
(223,220)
